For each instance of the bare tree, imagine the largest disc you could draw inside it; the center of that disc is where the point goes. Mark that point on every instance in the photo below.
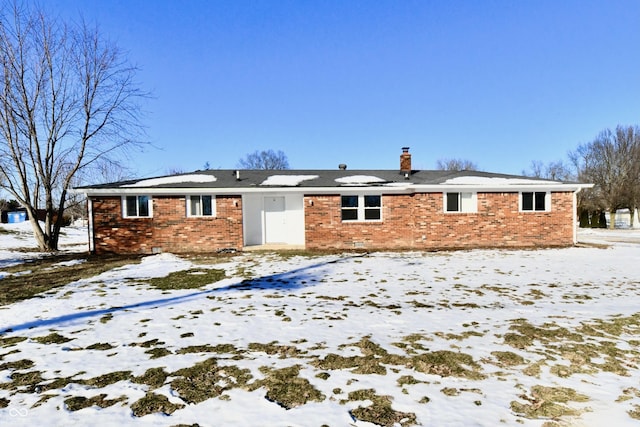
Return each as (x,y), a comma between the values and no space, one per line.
(268,159)
(612,162)
(456,165)
(556,171)
(68,102)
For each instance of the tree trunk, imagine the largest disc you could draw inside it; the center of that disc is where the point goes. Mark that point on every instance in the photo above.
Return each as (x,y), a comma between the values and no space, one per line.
(612,219)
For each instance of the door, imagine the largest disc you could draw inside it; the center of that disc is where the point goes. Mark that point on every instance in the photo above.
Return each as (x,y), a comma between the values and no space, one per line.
(275,220)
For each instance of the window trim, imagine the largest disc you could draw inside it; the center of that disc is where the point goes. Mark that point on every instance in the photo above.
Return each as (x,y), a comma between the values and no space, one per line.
(361,208)
(547,201)
(190,214)
(461,206)
(125,206)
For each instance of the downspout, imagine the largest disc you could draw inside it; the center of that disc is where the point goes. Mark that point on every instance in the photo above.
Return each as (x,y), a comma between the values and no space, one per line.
(576,220)
(92,244)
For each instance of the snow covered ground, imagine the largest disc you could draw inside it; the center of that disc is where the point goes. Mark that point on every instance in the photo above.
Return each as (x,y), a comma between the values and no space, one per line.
(482,337)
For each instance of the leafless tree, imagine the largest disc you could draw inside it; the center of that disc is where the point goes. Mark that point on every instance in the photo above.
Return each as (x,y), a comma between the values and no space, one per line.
(456,165)
(612,162)
(266,159)
(68,103)
(556,171)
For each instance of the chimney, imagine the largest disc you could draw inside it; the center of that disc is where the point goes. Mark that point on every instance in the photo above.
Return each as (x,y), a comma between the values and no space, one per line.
(405,160)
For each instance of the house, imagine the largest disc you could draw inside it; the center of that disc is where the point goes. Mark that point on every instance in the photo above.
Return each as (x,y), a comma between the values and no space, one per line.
(341,209)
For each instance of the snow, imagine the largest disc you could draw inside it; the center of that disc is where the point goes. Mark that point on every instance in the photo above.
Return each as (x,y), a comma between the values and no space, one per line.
(359,180)
(464,301)
(482,180)
(288,180)
(177,179)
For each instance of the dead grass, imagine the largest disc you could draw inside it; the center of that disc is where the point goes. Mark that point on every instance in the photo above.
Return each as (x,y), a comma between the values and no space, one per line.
(153,403)
(76,403)
(379,412)
(188,279)
(153,377)
(44,276)
(286,388)
(548,402)
(207,379)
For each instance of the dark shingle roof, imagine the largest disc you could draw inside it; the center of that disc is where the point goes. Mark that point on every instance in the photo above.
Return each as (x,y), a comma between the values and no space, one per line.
(227,178)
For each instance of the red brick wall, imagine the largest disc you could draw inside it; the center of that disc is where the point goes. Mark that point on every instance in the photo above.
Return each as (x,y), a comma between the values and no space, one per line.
(417,221)
(169,230)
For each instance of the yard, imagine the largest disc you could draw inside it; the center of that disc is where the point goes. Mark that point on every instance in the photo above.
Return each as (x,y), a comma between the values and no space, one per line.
(485,337)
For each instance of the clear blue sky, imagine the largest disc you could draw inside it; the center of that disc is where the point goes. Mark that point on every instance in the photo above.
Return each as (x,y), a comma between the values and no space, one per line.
(500,83)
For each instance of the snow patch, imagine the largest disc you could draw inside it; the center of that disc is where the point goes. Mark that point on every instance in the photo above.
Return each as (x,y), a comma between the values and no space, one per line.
(483,180)
(359,180)
(288,180)
(173,180)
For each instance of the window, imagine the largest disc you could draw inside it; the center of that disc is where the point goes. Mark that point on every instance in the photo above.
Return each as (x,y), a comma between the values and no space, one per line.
(361,208)
(201,206)
(137,206)
(460,202)
(534,201)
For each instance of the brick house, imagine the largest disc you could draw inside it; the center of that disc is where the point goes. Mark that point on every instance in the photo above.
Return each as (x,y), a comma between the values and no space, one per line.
(211,210)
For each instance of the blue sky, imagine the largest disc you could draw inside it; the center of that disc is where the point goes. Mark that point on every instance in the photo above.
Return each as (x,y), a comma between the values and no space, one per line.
(500,83)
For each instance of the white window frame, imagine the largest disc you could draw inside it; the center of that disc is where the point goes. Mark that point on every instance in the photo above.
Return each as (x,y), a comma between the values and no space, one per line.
(547,201)
(125,205)
(467,201)
(361,208)
(200,214)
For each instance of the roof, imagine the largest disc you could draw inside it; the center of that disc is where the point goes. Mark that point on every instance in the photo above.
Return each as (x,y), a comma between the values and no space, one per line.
(317,181)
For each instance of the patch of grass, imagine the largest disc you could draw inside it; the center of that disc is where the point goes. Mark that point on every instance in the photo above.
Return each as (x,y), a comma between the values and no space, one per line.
(18,364)
(4,402)
(508,358)
(188,279)
(548,402)
(100,346)
(153,377)
(22,379)
(43,277)
(106,318)
(635,412)
(407,379)
(153,403)
(446,363)
(545,334)
(380,412)
(52,338)
(283,351)
(286,388)
(80,402)
(207,379)
(206,348)
(362,364)
(106,379)
(158,352)
(11,341)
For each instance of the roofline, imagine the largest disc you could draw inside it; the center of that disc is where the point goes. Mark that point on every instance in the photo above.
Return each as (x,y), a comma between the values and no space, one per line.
(386,189)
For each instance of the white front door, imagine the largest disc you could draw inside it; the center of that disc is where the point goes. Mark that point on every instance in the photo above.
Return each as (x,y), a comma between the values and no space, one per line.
(275,223)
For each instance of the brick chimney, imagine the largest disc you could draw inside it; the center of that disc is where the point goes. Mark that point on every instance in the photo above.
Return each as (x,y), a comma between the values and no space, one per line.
(405,160)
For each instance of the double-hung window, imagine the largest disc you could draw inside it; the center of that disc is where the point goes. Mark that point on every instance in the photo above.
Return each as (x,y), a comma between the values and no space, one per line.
(361,208)
(201,205)
(460,202)
(137,206)
(534,201)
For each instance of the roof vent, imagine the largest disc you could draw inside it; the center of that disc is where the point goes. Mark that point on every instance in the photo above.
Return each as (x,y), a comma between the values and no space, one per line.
(342,167)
